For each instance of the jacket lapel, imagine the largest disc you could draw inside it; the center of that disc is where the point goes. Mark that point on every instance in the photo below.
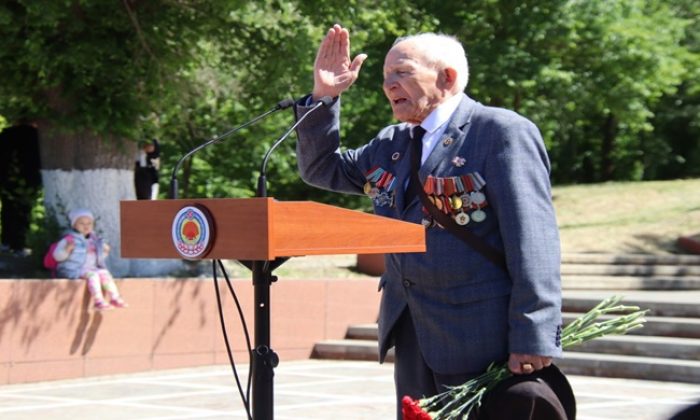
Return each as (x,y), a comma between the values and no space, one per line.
(452,139)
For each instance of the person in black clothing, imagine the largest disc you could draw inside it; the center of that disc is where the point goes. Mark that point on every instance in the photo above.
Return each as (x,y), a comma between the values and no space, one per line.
(146,170)
(20,183)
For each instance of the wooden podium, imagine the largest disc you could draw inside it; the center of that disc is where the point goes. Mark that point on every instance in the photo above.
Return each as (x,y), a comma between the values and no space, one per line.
(262,232)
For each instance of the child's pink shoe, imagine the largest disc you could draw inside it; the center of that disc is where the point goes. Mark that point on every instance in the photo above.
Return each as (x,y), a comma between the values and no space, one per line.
(119,303)
(101,305)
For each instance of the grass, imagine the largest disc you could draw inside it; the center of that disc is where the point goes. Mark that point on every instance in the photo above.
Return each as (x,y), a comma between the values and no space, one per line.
(627,217)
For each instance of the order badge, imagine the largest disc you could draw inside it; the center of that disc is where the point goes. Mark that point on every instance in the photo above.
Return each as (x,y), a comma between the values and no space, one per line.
(192,232)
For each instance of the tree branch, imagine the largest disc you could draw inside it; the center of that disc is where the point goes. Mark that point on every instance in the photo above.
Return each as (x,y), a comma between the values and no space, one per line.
(137,27)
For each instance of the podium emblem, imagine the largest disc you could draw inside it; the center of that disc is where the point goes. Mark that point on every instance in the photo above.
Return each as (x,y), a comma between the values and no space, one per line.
(192,232)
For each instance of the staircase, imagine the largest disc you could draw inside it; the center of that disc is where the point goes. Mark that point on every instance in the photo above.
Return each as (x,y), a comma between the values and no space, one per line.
(666,349)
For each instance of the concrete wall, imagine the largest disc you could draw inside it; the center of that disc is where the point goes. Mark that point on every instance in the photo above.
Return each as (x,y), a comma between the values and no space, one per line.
(49,331)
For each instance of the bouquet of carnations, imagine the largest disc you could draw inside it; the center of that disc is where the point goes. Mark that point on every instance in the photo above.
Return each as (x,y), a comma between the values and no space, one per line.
(459,401)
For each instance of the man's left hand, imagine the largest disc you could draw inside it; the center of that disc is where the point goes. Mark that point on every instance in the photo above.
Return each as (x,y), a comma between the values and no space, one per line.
(523,364)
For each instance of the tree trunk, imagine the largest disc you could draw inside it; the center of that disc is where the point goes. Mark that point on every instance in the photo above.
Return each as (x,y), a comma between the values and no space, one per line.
(607,167)
(82,170)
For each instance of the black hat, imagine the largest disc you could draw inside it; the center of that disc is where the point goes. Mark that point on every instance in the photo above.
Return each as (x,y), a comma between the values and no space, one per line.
(555,401)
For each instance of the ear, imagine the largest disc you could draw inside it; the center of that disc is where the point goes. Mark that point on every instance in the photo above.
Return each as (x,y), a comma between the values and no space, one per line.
(448,78)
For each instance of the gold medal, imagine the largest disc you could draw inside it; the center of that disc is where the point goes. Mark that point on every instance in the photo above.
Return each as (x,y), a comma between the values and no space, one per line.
(456,202)
(438,203)
(368,188)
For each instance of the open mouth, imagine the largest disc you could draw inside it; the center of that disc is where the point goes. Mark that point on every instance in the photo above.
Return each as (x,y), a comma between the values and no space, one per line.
(398,101)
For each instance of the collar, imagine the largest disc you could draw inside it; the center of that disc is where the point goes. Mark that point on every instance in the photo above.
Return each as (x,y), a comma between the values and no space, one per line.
(442,114)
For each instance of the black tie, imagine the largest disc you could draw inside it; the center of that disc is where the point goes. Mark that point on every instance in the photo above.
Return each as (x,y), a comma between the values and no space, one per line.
(416,152)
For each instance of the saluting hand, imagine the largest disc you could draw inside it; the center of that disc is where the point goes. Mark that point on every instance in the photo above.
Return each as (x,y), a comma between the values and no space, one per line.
(333,71)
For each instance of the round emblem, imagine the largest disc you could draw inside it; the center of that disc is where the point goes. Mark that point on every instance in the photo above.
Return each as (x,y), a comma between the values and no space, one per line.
(477,197)
(462,218)
(479,216)
(192,232)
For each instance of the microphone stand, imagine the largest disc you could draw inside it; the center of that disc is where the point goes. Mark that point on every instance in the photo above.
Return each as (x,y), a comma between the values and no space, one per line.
(264,358)
(261,269)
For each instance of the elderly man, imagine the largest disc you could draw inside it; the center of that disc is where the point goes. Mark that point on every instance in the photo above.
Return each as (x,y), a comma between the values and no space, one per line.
(488,287)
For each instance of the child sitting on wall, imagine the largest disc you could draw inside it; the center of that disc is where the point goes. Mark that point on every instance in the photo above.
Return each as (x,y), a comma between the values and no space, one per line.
(82,254)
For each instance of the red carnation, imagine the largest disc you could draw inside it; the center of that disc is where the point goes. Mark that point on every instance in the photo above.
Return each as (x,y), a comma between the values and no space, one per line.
(412,411)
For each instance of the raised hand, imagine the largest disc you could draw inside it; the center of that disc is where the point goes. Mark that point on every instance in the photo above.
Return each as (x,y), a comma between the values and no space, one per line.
(334,72)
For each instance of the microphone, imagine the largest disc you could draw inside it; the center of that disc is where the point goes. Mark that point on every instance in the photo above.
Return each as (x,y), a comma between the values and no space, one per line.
(262,182)
(283,104)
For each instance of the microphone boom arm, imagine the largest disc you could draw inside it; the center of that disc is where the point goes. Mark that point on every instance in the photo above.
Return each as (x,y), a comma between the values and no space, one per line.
(262,181)
(285,103)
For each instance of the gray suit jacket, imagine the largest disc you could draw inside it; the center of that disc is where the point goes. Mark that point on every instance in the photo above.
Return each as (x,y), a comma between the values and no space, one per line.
(467,312)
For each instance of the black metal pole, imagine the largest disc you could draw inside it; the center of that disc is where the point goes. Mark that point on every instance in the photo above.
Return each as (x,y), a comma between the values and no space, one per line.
(264,358)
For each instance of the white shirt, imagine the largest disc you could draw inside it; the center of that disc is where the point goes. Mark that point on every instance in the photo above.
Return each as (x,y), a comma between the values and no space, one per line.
(435,124)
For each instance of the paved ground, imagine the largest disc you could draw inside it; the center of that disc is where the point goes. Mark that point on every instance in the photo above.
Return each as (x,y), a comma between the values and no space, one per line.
(310,389)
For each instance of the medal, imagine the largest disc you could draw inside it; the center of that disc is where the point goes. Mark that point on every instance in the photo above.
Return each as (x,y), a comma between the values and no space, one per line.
(446,204)
(462,218)
(455,202)
(438,203)
(466,200)
(477,197)
(479,216)
(367,188)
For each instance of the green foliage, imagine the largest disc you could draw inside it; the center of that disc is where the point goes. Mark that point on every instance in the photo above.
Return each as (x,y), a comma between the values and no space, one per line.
(97,63)
(613,84)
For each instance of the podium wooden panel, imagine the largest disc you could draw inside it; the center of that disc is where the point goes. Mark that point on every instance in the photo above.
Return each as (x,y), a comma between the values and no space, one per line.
(263,229)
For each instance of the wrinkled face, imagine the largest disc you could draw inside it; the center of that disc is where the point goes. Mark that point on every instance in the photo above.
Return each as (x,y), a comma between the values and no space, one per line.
(413,87)
(84,225)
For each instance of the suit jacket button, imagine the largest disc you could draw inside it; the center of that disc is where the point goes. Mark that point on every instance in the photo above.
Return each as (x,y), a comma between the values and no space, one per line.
(406,283)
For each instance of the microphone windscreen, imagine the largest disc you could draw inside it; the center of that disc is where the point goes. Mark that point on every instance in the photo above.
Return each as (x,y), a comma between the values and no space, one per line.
(326,100)
(285,103)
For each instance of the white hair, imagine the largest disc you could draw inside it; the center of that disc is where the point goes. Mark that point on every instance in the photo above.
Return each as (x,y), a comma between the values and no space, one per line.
(442,51)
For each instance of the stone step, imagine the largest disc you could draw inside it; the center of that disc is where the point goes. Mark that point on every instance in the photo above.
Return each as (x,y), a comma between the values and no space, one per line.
(345,350)
(571,269)
(362,332)
(666,349)
(573,363)
(645,346)
(654,326)
(624,282)
(632,367)
(681,304)
(641,259)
